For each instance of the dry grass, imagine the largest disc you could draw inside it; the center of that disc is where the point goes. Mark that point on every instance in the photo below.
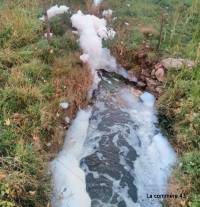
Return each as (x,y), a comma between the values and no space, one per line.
(72,81)
(91,8)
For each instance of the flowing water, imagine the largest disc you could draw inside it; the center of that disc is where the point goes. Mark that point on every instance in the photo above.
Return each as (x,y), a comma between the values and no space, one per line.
(114,153)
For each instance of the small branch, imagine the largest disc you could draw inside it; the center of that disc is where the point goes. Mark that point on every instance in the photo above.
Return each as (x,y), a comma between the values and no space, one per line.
(47,25)
(161,32)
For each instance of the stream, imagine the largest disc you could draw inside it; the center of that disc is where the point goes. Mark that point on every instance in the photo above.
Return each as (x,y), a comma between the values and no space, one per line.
(114,153)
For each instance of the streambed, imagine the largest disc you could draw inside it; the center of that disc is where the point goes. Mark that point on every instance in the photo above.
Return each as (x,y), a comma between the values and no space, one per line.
(114,154)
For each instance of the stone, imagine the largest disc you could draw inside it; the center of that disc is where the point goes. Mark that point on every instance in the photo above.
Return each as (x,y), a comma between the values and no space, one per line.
(177,63)
(151,82)
(153,72)
(160,74)
(145,73)
(158,65)
(136,92)
(158,90)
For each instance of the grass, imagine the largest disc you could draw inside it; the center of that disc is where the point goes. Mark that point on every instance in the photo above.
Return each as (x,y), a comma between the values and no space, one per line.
(179,104)
(35,75)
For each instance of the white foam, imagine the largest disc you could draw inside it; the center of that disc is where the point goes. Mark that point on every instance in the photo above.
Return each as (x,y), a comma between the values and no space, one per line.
(46,34)
(148,99)
(69,187)
(84,58)
(64,105)
(97,2)
(156,157)
(107,13)
(92,30)
(111,33)
(55,10)
(151,168)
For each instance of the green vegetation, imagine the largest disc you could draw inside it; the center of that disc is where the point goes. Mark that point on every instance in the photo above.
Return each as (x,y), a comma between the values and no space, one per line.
(31,88)
(179,104)
(36,74)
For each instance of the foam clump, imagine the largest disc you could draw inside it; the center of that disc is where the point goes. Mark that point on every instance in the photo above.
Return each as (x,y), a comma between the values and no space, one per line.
(55,10)
(107,13)
(92,30)
(156,157)
(69,187)
(97,2)
(148,99)
(64,105)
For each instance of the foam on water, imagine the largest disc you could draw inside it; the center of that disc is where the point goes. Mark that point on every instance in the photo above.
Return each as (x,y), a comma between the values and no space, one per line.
(156,157)
(114,154)
(69,187)
(126,157)
(92,30)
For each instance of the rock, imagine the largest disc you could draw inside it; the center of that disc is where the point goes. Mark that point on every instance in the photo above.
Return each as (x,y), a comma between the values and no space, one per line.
(177,63)
(149,31)
(48,144)
(153,72)
(75,32)
(136,92)
(142,55)
(131,76)
(145,73)
(107,13)
(2,175)
(64,105)
(151,82)
(158,90)
(158,65)
(160,74)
